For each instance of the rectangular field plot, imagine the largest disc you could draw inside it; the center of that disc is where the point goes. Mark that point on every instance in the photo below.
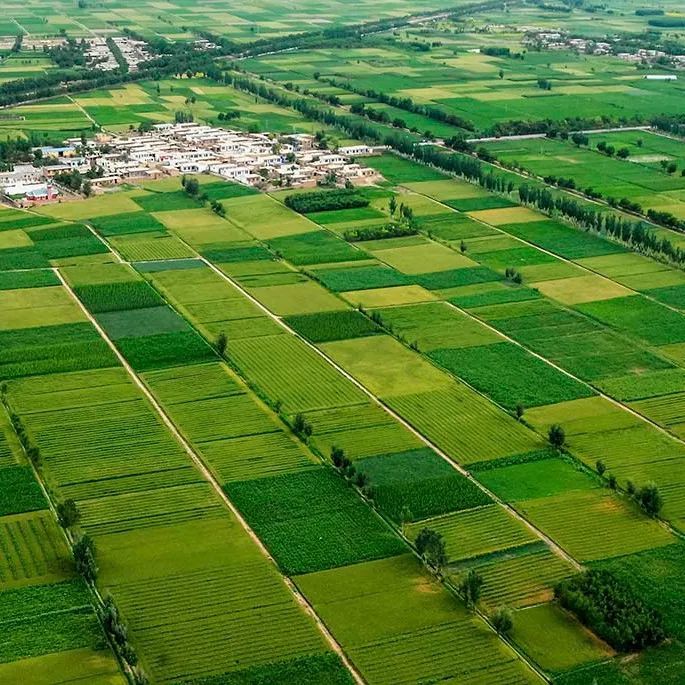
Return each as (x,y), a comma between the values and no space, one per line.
(122,224)
(32,550)
(555,640)
(437,325)
(397,170)
(596,524)
(315,247)
(523,578)
(388,297)
(399,626)
(133,510)
(416,484)
(464,424)
(563,240)
(510,375)
(52,349)
(32,307)
(46,619)
(313,521)
(298,298)
(639,317)
(543,477)
(98,667)
(582,289)
(143,249)
(358,277)
(265,218)
(287,370)
(327,326)
(418,259)
(385,366)
(476,532)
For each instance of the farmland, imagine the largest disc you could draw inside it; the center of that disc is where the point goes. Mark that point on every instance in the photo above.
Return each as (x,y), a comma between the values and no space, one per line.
(366,431)
(362,388)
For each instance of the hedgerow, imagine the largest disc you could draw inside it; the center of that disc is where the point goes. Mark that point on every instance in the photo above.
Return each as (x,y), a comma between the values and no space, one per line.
(325,200)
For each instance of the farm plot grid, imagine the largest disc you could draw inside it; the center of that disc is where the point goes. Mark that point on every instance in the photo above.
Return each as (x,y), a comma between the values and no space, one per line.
(230,416)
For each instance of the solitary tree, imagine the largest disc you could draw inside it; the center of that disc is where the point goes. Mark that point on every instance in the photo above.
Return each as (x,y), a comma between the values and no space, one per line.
(393,205)
(431,546)
(650,499)
(192,186)
(601,467)
(338,457)
(470,587)
(556,436)
(68,513)
(221,343)
(502,621)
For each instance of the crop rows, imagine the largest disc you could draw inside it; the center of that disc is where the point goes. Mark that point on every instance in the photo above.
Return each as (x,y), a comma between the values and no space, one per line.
(286,370)
(522,580)
(477,531)
(31,549)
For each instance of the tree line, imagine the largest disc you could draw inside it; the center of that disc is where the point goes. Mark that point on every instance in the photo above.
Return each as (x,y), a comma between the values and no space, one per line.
(635,234)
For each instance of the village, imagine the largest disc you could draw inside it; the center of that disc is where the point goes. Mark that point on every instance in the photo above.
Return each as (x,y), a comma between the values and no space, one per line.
(555,40)
(263,160)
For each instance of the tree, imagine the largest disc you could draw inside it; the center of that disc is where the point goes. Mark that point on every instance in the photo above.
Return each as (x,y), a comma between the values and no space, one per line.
(470,587)
(338,457)
(181,117)
(519,411)
(302,427)
(623,153)
(580,139)
(192,187)
(84,556)
(556,436)
(218,208)
(502,621)
(601,467)
(68,513)
(431,547)
(221,343)
(462,247)
(87,188)
(611,480)
(650,499)
(393,205)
